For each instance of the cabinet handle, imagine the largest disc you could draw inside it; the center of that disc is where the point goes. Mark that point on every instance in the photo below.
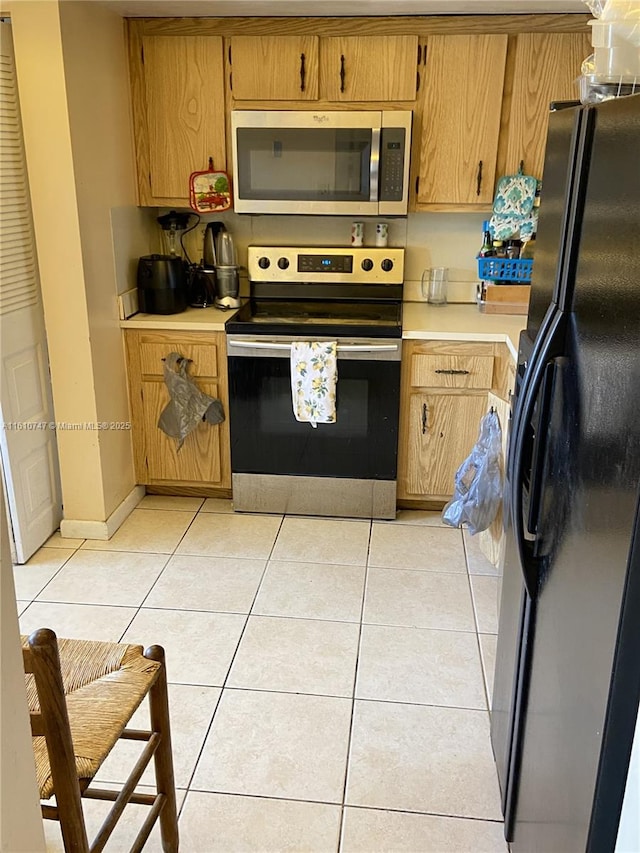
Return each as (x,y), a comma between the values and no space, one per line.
(521,167)
(424,55)
(303,72)
(342,73)
(479,177)
(417,81)
(452,372)
(419,54)
(425,410)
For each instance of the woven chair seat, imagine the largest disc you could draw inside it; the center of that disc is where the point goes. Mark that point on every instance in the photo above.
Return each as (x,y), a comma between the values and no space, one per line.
(104,683)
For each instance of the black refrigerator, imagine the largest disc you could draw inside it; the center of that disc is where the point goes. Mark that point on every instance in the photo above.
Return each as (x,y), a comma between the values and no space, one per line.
(567,679)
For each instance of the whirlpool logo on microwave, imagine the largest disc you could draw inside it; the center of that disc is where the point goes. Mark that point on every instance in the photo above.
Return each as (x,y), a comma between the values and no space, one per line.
(321,119)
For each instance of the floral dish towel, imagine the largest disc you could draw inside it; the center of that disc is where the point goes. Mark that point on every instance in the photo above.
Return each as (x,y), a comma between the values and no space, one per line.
(314,373)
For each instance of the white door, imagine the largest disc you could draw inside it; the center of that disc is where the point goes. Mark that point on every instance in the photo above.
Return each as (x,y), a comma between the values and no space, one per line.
(27,442)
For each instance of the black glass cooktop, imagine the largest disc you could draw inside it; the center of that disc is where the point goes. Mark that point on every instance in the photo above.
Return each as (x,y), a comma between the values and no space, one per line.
(266,316)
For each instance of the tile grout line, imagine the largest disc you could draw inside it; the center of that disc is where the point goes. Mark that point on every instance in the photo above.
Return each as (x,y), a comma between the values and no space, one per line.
(226,678)
(139,608)
(55,574)
(171,554)
(477,632)
(353,699)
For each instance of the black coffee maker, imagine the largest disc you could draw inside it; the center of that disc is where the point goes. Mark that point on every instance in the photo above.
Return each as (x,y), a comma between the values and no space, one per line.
(202,277)
(163,279)
(201,287)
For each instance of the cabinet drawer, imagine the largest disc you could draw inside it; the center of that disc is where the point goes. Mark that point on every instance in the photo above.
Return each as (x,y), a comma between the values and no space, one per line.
(451,371)
(203,356)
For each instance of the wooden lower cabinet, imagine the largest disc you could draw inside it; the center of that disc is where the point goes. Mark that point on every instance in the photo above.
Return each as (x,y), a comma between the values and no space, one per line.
(203,461)
(443,398)
(441,430)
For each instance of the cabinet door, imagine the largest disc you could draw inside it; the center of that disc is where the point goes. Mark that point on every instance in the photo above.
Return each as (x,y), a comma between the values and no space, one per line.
(460,96)
(184,93)
(199,458)
(441,430)
(274,68)
(368,68)
(545,70)
(204,458)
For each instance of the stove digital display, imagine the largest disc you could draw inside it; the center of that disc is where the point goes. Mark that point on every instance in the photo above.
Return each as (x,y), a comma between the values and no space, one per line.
(325,263)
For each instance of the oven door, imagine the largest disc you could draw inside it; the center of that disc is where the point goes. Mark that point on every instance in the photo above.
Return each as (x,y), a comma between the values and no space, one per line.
(266,438)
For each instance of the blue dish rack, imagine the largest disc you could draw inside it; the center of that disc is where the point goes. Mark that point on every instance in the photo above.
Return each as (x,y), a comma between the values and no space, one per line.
(505,269)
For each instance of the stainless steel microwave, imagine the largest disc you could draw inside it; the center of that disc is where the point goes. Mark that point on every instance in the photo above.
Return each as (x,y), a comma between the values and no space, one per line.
(348,162)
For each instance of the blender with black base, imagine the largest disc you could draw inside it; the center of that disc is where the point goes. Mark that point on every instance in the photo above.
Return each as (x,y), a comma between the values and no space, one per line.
(162,279)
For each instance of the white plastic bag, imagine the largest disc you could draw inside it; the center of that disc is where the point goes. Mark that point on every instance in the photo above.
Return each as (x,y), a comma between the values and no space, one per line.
(478,481)
(623,15)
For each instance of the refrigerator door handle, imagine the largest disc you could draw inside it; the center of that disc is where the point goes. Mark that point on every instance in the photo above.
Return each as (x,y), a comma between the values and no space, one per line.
(537,372)
(540,340)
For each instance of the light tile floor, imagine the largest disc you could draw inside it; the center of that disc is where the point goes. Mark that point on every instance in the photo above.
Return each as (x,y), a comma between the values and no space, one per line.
(328,678)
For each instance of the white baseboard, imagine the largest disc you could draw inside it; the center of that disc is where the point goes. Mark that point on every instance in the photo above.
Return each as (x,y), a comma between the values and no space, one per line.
(73,528)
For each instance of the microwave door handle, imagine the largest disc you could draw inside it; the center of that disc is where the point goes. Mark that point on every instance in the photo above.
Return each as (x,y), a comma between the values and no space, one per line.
(374,174)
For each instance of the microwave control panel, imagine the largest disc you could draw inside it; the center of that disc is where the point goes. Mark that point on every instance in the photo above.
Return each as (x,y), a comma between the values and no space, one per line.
(392,148)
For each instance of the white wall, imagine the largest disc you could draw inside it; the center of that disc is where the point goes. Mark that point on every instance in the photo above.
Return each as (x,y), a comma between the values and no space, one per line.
(97,85)
(72,80)
(431,239)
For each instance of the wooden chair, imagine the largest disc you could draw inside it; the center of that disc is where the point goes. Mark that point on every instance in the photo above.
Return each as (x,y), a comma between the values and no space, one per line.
(81,696)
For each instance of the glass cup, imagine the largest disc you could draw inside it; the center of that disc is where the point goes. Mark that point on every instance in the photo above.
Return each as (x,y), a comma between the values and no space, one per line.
(434,285)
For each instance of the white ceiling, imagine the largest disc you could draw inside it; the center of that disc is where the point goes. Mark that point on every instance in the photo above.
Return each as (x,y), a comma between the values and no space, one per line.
(224,8)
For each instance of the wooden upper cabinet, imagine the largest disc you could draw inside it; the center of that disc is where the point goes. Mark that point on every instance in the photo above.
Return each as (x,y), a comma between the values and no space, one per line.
(460,98)
(368,68)
(274,68)
(184,116)
(545,69)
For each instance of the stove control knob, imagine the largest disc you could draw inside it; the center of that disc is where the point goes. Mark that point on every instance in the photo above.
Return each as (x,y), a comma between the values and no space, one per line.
(283,263)
(387,264)
(264,263)
(367,264)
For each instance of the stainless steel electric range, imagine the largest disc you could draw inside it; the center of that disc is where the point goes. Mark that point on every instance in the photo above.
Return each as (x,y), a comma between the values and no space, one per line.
(346,468)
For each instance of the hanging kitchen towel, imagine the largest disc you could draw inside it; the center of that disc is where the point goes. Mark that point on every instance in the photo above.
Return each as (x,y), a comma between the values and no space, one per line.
(314,373)
(514,213)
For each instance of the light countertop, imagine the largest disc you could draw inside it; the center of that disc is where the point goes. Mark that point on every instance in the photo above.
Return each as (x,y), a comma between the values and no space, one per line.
(463,322)
(420,321)
(192,320)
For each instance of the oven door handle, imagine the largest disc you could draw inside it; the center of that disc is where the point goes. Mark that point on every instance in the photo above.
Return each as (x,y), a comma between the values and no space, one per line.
(341,347)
